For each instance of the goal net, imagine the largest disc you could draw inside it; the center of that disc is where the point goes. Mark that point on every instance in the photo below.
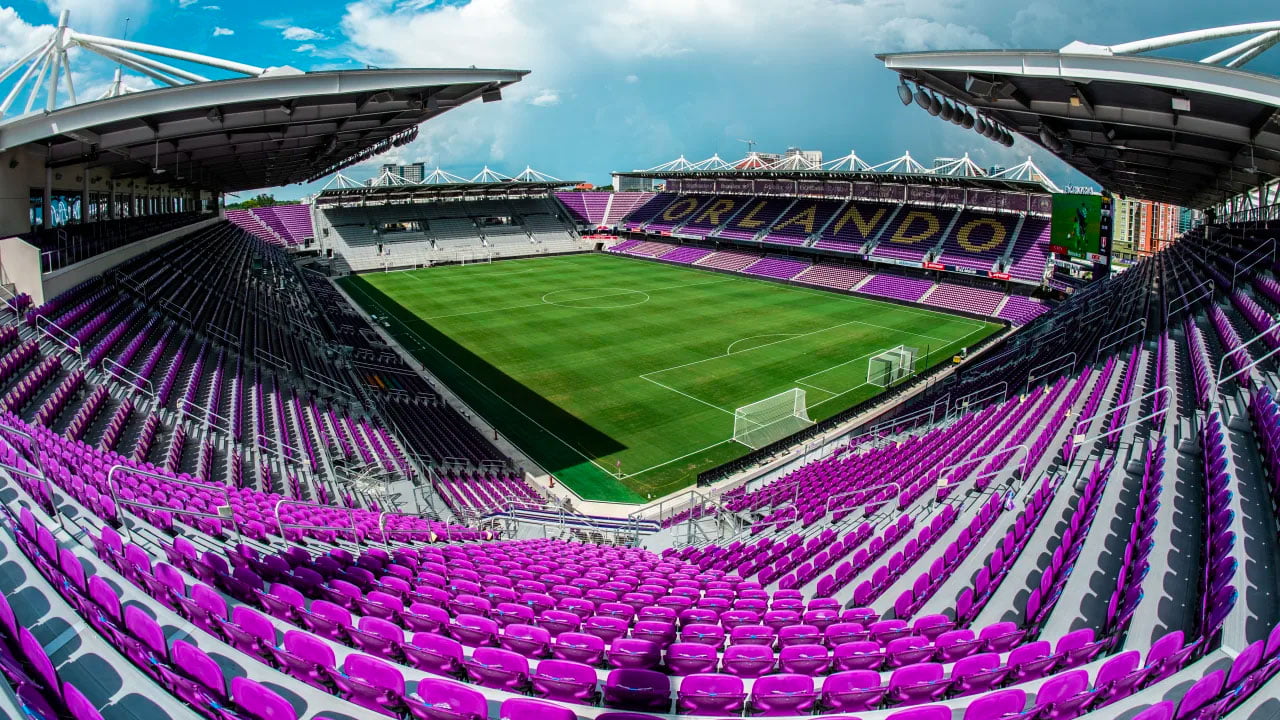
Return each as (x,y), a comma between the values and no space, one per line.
(473,259)
(892,366)
(771,419)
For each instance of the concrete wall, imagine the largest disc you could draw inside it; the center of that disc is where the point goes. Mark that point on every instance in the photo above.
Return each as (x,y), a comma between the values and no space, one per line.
(20,261)
(59,281)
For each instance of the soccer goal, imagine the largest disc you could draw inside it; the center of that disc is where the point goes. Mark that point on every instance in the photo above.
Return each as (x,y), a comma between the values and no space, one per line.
(474,259)
(893,366)
(771,419)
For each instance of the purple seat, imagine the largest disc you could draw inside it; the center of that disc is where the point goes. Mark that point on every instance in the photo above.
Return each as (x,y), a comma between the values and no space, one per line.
(977,673)
(497,668)
(928,712)
(841,633)
(564,681)
(703,634)
(917,683)
(1117,678)
(750,661)
(327,620)
(691,659)
(377,636)
(578,647)
(955,644)
(605,627)
(710,694)
(559,621)
(1200,696)
(799,635)
(783,695)
(1030,661)
(805,659)
(656,631)
(371,683)
(260,703)
(250,632)
(143,639)
(508,613)
(528,640)
(752,635)
(283,602)
(433,653)
(529,709)
(421,617)
(1002,636)
(861,655)
(193,676)
(439,699)
(909,650)
(852,691)
(306,658)
(632,653)
(1064,696)
(996,705)
(638,689)
(78,705)
(473,630)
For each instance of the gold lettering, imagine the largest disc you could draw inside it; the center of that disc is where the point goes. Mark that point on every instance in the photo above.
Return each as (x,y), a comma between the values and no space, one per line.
(805,218)
(998,235)
(749,221)
(715,210)
(680,208)
(931,227)
(864,225)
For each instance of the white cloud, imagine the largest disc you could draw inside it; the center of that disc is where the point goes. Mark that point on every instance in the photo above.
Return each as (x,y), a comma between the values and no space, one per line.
(210,7)
(632,79)
(545,98)
(187,3)
(17,37)
(101,16)
(305,47)
(298,34)
(223,31)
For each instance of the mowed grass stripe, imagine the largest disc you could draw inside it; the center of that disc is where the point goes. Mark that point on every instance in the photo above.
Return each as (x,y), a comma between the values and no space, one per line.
(647,382)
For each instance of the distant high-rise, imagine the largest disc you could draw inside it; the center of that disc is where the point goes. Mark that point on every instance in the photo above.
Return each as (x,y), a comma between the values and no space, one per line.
(1141,227)
(413,172)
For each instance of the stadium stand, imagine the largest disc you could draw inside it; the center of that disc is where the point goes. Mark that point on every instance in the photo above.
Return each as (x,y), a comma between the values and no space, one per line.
(1018,309)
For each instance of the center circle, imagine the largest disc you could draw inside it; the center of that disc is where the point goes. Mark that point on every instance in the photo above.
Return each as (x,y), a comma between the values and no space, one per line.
(595,297)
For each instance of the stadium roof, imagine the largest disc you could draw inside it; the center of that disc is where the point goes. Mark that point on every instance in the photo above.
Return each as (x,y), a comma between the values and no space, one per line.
(1184,132)
(274,127)
(426,192)
(985,182)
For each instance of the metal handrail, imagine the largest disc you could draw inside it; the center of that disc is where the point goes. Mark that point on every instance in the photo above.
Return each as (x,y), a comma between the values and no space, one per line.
(1235,267)
(130,377)
(943,480)
(277,451)
(111,485)
(220,334)
(46,326)
(1102,413)
(1103,346)
(351,513)
(1057,364)
(1186,304)
(1247,368)
(827,505)
(963,400)
(1244,346)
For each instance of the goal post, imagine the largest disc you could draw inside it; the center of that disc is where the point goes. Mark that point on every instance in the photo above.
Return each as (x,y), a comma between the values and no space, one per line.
(771,419)
(892,366)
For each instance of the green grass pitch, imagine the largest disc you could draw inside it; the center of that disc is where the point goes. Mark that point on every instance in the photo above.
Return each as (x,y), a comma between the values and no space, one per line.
(588,361)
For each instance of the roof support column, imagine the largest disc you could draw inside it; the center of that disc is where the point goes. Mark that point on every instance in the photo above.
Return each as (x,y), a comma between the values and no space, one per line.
(84,197)
(46,200)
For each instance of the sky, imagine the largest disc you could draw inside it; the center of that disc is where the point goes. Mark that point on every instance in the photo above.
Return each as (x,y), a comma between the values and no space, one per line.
(629,84)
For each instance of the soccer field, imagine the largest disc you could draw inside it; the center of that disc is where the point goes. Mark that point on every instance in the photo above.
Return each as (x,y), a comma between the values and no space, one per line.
(620,376)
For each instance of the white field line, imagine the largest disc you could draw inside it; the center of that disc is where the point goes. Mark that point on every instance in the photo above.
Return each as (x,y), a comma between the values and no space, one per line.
(850,298)
(491,392)
(540,303)
(681,392)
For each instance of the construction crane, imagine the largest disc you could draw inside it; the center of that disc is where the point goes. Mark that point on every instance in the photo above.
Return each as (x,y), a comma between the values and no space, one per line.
(751,145)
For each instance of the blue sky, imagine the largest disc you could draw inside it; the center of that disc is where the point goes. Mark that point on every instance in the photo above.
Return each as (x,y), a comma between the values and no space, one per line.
(623,84)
